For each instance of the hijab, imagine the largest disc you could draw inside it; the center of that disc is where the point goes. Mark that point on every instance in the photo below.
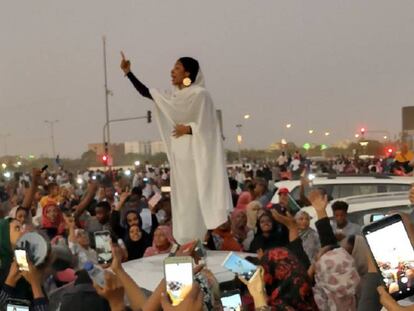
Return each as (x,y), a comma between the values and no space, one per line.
(243,200)
(136,249)
(153,250)
(58,224)
(336,281)
(287,284)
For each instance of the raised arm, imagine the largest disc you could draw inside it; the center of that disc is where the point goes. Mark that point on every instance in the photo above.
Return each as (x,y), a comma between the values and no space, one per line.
(140,87)
(29,195)
(92,188)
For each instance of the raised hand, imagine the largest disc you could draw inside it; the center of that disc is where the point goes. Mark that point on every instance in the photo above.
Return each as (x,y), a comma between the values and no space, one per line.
(125,64)
(193,301)
(319,203)
(180,130)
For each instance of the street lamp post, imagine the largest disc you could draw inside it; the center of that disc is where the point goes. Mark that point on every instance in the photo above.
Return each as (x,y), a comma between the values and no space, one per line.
(239,139)
(52,135)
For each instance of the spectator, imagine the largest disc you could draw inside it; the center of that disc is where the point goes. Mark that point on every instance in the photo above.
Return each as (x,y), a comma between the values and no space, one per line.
(340,225)
(224,240)
(137,242)
(262,194)
(310,238)
(52,220)
(243,235)
(162,242)
(244,199)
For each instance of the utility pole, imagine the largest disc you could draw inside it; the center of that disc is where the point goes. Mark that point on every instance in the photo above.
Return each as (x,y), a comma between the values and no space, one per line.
(52,135)
(107,93)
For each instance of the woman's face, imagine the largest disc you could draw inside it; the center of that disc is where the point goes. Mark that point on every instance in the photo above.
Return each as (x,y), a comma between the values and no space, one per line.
(161,240)
(52,213)
(16,231)
(21,216)
(303,222)
(132,219)
(134,233)
(178,74)
(266,224)
(241,219)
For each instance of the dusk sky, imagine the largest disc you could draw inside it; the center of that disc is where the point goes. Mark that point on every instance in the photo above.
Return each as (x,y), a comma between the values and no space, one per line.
(324,65)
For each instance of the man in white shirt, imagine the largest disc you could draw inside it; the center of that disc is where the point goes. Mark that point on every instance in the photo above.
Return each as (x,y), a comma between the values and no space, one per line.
(340,225)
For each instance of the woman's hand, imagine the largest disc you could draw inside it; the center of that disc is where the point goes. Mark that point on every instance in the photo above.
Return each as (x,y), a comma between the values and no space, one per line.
(125,64)
(319,203)
(35,278)
(14,275)
(181,129)
(256,287)
(193,301)
(112,291)
(116,264)
(388,302)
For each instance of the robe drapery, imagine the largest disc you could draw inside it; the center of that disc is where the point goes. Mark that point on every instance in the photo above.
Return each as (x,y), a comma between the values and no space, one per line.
(200,194)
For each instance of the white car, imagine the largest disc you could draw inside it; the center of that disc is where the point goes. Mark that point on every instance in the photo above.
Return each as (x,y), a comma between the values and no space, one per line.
(365,209)
(341,186)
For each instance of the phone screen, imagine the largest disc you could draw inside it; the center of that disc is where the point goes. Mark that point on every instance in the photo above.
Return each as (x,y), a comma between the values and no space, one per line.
(21,259)
(239,266)
(166,189)
(232,302)
(103,246)
(179,279)
(14,307)
(394,255)
(376,217)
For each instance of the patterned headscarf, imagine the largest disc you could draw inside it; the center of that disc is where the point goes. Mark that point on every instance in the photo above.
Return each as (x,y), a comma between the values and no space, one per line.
(153,250)
(286,281)
(336,280)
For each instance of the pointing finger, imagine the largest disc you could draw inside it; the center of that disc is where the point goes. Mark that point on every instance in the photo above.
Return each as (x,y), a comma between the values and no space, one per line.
(123,55)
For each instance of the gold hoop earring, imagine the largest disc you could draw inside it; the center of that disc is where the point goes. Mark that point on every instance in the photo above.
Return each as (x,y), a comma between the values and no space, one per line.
(187,82)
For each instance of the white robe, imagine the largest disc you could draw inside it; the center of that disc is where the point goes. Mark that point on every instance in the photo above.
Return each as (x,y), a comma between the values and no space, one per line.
(200,194)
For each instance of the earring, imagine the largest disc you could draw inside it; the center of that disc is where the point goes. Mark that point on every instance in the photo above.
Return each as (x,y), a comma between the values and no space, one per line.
(187,82)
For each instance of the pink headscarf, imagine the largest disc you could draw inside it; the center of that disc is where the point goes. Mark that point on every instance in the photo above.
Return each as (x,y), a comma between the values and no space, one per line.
(59,223)
(153,250)
(244,199)
(336,281)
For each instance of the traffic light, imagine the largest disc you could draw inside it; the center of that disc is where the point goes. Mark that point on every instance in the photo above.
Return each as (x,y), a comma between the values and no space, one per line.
(149,116)
(362,131)
(389,151)
(105,159)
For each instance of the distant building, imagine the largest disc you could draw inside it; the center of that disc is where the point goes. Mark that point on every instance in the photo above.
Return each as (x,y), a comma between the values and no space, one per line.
(113,148)
(139,147)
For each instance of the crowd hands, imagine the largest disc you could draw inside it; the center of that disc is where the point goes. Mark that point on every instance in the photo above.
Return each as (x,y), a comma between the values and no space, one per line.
(299,268)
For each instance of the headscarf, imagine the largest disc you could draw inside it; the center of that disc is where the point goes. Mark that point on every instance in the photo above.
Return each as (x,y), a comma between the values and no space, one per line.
(58,224)
(287,284)
(244,199)
(310,239)
(153,250)
(14,210)
(251,211)
(136,249)
(336,280)
(239,229)
(359,252)
(124,222)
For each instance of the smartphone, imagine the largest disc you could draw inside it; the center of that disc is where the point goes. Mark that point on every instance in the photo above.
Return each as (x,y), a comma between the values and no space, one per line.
(21,259)
(44,168)
(239,266)
(231,300)
(103,246)
(145,179)
(166,189)
(154,199)
(393,253)
(17,305)
(178,277)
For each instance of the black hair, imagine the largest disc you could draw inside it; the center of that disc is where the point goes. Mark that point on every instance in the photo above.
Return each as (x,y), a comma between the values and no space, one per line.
(340,206)
(105,205)
(51,186)
(137,191)
(190,65)
(233,183)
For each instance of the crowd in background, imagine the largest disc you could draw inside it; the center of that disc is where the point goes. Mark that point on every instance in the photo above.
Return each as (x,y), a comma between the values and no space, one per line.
(301,268)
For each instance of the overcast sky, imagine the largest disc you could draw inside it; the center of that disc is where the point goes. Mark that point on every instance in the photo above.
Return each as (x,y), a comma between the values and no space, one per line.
(327,65)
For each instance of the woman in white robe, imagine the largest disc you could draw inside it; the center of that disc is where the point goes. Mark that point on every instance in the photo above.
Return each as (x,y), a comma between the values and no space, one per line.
(186,119)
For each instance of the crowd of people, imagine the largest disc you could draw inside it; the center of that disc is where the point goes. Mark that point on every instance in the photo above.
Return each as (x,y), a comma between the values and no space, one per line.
(300,268)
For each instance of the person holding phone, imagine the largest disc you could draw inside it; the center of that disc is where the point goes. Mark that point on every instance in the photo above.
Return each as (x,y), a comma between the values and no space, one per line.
(189,127)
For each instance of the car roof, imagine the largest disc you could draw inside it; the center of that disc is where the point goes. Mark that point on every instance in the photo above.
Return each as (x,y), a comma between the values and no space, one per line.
(368,202)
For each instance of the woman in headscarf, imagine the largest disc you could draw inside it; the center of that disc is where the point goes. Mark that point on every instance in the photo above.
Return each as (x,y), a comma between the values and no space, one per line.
(244,199)
(53,223)
(137,242)
(243,235)
(252,210)
(162,242)
(269,234)
(287,284)
(195,150)
(336,280)
(224,239)
(310,238)
(21,214)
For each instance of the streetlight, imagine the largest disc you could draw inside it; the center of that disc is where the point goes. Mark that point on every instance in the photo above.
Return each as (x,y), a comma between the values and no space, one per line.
(310,132)
(3,166)
(356,135)
(52,134)
(283,141)
(288,126)
(327,133)
(137,163)
(246,116)
(385,137)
